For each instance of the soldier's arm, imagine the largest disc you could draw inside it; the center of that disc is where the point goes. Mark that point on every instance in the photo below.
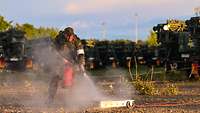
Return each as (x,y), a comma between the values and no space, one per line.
(81,55)
(58,43)
(80,52)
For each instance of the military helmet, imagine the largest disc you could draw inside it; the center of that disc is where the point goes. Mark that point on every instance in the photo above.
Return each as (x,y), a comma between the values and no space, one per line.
(69,31)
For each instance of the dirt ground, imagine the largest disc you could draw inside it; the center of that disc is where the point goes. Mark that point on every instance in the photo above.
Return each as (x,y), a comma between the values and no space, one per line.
(22,93)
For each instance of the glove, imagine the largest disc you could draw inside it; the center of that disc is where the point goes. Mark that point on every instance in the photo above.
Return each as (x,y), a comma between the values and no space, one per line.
(85,74)
(65,61)
(82,69)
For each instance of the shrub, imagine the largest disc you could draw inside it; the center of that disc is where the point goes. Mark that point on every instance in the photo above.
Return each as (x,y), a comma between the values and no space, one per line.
(145,87)
(171,89)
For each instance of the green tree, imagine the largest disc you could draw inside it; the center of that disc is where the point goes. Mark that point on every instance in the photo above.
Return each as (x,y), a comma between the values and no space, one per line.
(52,32)
(152,40)
(31,31)
(41,32)
(4,25)
(28,29)
(46,32)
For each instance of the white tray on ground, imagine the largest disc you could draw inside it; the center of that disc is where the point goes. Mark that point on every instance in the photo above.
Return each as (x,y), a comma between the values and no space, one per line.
(118,103)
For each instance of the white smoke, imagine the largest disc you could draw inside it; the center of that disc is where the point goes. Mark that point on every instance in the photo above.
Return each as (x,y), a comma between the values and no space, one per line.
(85,92)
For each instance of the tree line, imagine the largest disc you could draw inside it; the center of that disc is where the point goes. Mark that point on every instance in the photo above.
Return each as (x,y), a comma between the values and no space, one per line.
(33,33)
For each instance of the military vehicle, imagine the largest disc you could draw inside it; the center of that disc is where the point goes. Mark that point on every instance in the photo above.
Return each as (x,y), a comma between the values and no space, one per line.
(106,53)
(14,51)
(179,43)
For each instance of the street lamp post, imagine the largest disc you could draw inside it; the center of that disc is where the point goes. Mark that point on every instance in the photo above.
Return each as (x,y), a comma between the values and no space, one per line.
(136,28)
(103,30)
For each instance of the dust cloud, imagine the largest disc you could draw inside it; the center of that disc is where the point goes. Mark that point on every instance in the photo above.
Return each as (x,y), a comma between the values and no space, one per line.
(82,94)
(87,90)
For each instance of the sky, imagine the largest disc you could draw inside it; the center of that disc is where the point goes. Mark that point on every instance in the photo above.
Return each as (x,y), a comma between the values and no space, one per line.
(101,19)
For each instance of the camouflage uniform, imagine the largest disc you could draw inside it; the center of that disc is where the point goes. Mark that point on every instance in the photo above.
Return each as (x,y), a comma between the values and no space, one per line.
(70,48)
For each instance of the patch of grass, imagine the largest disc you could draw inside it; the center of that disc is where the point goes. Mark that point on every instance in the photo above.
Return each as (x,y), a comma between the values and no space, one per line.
(152,88)
(176,76)
(145,87)
(170,89)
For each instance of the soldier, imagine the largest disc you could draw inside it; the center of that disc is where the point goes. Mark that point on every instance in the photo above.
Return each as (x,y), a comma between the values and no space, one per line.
(71,50)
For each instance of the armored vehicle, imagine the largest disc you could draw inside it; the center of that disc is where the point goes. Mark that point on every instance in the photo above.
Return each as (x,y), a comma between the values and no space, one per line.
(14,51)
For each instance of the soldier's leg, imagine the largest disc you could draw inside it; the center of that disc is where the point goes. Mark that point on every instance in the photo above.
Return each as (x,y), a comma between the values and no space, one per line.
(53,86)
